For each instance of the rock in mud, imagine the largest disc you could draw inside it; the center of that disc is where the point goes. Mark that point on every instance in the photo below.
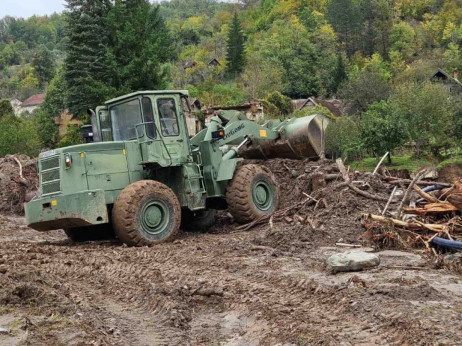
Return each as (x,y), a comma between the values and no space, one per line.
(352,261)
(4,331)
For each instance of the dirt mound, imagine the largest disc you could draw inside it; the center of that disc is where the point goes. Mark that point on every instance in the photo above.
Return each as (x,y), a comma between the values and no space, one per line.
(18,181)
(450,173)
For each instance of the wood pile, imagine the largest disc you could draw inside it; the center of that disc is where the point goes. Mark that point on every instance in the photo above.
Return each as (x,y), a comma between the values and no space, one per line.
(421,217)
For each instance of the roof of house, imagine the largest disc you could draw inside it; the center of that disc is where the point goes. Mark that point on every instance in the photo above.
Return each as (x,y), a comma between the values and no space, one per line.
(332,105)
(34,100)
(213,61)
(440,73)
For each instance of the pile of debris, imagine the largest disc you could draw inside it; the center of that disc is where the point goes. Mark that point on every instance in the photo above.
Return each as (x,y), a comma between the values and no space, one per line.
(325,202)
(18,182)
(429,213)
(321,203)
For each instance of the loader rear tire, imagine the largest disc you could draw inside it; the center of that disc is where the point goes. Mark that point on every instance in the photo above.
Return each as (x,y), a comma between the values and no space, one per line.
(90,233)
(197,221)
(146,213)
(252,193)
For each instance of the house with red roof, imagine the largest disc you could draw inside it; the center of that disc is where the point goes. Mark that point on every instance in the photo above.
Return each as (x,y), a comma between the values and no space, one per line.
(32,103)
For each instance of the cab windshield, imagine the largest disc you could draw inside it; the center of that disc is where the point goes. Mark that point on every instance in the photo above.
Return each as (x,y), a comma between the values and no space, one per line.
(124,118)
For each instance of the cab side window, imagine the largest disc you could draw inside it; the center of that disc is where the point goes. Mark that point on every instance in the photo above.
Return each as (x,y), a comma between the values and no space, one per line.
(148,117)
(168,117)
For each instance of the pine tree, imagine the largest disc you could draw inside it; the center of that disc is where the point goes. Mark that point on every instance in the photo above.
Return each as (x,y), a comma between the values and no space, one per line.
(85,68)
(139,46)
(340,74)
(235,56)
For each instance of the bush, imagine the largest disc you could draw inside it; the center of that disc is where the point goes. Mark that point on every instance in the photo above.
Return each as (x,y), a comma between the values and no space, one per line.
(5,107)
(19,136)
(73,136)
(282,105)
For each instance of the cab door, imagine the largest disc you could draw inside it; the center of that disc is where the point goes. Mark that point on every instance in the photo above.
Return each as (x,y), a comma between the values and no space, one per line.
(171,126)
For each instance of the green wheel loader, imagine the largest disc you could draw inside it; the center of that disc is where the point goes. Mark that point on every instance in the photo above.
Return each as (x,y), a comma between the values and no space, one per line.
(144,176)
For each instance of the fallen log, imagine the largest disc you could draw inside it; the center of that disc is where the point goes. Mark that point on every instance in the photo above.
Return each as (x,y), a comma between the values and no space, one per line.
(409,225)
(396,181)
(425,195)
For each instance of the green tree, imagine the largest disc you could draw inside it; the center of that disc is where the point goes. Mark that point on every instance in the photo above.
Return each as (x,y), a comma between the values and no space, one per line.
(348,17)
(383,128)
(340,75)
(235,56)
(343,138)
(428,114)
(368,87)
(139,46)
(55,103)
(44,64)
(85,69)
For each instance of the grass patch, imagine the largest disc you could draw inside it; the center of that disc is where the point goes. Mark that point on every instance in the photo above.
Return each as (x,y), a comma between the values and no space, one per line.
(453,160)
(398,162)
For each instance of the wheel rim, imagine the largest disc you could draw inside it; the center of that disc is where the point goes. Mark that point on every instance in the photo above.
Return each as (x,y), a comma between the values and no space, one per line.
(155,216)
(262,195)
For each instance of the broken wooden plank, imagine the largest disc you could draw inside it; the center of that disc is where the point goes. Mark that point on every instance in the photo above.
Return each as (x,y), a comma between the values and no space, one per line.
(431,209)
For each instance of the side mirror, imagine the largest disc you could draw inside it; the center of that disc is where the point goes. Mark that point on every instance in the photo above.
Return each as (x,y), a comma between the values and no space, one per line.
(217,135)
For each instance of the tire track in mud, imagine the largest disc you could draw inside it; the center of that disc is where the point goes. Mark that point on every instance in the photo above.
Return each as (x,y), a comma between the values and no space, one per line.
(150,295)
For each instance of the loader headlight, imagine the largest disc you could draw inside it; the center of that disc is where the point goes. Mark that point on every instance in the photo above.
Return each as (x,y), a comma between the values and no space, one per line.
(68,161)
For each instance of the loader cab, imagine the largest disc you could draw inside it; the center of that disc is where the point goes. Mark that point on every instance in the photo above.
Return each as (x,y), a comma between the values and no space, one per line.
(154,119)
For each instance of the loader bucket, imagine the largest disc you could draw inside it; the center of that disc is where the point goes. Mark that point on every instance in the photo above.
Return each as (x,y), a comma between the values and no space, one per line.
(301,138)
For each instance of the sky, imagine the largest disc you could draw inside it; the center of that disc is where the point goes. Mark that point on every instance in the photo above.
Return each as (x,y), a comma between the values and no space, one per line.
(27,8)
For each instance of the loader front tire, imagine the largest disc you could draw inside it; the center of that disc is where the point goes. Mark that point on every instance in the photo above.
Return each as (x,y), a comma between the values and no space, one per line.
(146,213)
(252,193)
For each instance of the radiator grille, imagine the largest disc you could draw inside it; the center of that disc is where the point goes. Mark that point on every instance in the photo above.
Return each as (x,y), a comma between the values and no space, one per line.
(52,187)
(50,175)
(49,163)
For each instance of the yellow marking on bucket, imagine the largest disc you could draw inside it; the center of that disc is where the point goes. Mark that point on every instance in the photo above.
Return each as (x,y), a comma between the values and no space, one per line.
(263,133)
(124,151)
(54,202)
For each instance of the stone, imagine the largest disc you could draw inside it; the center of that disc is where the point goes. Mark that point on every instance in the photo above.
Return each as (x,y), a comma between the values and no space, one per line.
(352,261)
(4,331)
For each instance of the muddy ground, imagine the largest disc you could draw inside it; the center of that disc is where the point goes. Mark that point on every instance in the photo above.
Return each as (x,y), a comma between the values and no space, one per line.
(262,286)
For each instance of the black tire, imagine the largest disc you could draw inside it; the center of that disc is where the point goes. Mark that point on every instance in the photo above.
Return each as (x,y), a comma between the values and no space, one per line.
(90,233)
(146,213)
(197,221)
(252,193)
